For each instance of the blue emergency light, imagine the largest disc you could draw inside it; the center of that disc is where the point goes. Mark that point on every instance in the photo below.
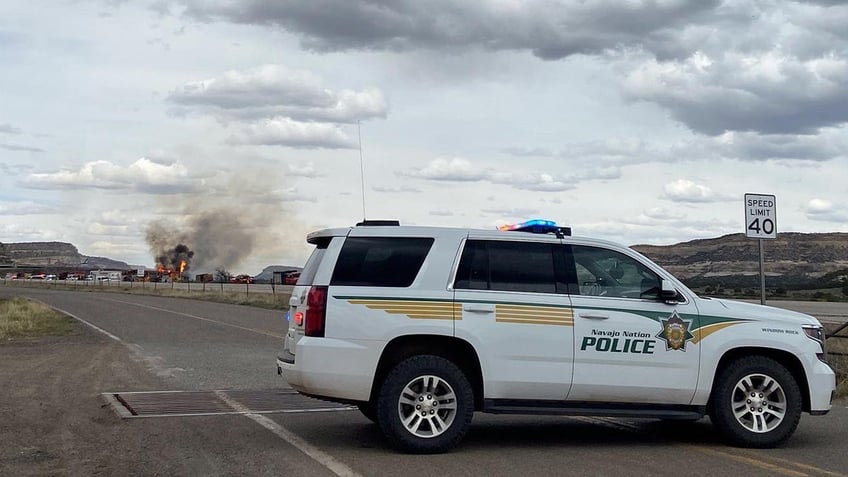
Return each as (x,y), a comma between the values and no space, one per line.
(537,226)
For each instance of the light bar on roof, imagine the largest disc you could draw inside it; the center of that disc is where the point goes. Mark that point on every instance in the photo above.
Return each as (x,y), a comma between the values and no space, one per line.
(536,226)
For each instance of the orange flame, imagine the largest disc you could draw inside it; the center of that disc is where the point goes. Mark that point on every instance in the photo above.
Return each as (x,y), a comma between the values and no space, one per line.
(182,266)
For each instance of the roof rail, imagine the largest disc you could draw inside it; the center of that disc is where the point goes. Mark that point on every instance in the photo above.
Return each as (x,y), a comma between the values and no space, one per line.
(379,223)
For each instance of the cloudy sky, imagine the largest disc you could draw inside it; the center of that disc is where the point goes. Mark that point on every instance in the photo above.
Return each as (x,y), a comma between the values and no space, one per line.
(640,121)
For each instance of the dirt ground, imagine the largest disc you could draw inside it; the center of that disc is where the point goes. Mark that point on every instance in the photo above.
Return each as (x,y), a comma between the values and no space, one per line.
(54,422)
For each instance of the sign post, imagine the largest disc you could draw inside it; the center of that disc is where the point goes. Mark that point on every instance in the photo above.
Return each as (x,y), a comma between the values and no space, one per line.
(761,223)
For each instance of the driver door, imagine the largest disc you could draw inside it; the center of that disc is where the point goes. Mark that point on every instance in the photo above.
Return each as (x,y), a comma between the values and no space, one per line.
(629,346)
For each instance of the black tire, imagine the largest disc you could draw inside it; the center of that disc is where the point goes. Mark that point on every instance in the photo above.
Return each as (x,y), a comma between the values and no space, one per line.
(430,379)
(765,424)
(369,410)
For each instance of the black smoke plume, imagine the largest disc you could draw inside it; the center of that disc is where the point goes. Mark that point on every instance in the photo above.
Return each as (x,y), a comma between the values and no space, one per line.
(208,240)
(173,258)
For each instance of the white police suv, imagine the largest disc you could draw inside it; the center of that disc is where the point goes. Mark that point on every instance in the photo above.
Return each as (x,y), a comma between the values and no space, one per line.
(422,326)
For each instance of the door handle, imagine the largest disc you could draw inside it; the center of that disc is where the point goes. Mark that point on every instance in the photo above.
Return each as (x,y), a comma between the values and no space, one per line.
(473,308)
(594,316)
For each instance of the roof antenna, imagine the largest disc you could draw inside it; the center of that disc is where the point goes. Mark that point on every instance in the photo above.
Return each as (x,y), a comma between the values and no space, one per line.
(361,167)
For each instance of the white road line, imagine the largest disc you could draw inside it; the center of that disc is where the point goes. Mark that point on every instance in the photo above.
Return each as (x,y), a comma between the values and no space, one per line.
(328,461)
(110,335)
(189,315)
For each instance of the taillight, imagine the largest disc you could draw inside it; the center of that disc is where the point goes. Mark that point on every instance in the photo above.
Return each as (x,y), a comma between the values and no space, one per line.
(316,312)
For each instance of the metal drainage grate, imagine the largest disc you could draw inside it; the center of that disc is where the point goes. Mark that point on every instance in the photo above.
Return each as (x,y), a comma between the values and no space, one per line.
(214,403)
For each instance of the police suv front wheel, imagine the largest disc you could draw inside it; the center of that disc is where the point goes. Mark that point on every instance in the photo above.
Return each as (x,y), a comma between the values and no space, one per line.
(425,405)
(756,402)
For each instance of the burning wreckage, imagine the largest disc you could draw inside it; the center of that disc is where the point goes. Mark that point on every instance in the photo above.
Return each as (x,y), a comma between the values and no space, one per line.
(174,264)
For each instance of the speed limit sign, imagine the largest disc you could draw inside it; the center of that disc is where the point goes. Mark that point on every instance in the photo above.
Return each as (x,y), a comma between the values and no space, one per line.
(760,216)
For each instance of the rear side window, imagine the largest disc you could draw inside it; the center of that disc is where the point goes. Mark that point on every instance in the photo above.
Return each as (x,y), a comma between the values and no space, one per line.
(307,275)
(508,266)
(380,261)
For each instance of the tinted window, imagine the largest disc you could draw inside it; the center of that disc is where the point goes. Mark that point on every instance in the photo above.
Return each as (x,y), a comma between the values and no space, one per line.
(307,275)
(507,266)
(602,272)
(380,261)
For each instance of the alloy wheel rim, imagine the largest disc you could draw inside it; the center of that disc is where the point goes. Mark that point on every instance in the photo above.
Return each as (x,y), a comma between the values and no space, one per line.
(427,406)
(758,403)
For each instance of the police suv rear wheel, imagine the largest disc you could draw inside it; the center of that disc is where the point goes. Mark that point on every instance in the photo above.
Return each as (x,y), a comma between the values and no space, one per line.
(425,405)
(756,402)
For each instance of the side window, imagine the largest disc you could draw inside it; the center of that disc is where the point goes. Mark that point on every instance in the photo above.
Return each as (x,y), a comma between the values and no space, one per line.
(602,272)
(307,275)
(380,261)
(507,266)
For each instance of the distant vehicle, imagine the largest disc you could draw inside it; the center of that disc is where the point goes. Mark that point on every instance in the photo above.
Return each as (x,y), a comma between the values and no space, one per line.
(39,276)
(51,277)
(291,278)
(241,279)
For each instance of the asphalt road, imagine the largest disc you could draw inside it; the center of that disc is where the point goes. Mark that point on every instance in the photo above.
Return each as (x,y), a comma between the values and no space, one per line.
(195,345)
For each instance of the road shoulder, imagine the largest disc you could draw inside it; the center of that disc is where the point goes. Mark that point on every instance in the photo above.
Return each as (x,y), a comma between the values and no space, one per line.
(54,422)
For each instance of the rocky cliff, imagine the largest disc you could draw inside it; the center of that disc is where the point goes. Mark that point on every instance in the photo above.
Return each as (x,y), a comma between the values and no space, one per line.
(54,254)
(795,257)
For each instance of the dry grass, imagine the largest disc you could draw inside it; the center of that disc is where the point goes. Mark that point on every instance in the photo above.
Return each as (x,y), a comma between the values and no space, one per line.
(22,318)
(840,365)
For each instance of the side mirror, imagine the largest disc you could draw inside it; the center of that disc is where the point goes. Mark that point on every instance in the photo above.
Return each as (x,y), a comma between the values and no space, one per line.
(668,293)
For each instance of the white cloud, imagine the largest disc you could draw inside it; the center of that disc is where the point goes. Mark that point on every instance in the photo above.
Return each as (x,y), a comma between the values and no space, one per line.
(684,190)
(825,211)
(455,169)
(277,91)
(660,213)
(290,133)
(26,207)
(541,181)
(303,170)
(143,175)
(462,170)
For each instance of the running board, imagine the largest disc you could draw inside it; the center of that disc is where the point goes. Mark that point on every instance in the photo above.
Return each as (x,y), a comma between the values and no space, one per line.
(577,408)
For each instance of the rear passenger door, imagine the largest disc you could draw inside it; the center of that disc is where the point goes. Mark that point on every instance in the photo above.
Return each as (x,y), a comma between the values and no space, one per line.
(517,314)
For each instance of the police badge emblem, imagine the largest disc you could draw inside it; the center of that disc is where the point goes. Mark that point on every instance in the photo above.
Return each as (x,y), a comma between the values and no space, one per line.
(675,332)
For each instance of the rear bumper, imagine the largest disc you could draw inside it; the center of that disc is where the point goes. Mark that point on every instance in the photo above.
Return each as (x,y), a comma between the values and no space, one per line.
(332,368)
